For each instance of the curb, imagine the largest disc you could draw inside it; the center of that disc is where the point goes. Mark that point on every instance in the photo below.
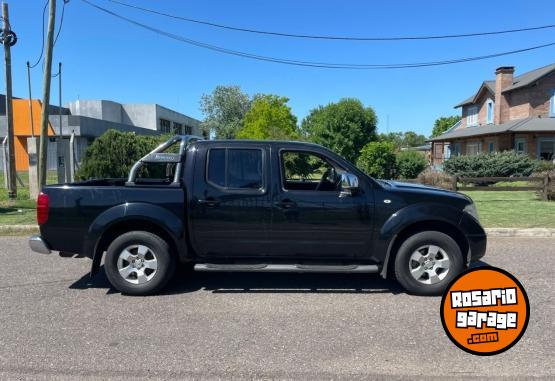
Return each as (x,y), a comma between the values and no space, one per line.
(516,232)
(491,232)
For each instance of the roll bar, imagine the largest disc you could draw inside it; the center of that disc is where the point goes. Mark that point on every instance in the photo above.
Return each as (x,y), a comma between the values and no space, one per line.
(157,155)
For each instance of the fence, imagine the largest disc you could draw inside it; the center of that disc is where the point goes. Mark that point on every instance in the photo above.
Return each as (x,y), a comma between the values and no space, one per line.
(542,184)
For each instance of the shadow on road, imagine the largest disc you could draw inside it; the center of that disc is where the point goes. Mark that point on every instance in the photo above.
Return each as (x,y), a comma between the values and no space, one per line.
(186,281)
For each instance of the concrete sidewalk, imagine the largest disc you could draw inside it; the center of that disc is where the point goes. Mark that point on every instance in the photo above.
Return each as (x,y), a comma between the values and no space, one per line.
(492,232)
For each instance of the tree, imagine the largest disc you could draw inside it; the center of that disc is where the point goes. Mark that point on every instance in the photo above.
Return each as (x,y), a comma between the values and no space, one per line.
(344,127)
(410,164)
(113,154)
(444,123)
(403,139)
(269,118)
(224,110)
(377,159)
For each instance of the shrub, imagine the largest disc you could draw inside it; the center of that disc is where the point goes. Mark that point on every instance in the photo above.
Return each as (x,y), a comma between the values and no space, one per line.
(435,178)
(494,164)
(544,166)
(377,159)
(113,154)
(410,164)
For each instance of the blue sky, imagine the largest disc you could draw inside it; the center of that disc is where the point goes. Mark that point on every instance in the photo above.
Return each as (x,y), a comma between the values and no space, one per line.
(106,58)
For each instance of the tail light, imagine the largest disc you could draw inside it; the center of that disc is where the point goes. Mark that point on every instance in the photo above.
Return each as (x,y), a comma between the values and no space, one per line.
(42,208)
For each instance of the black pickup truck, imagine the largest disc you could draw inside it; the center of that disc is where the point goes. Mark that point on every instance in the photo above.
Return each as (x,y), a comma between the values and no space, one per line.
(258,206)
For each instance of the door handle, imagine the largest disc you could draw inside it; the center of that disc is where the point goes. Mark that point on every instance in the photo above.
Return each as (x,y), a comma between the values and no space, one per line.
(210,202)
(286,204)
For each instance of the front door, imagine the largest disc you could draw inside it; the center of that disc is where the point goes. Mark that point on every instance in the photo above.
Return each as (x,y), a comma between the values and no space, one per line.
(230,208)
(310,219)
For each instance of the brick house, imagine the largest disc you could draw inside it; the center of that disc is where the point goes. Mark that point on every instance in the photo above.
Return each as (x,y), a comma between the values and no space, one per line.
(508,113)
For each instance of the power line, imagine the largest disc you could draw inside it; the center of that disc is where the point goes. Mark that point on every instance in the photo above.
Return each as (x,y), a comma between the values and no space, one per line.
(42,48)
(327,65)
(61,22)
(329,37)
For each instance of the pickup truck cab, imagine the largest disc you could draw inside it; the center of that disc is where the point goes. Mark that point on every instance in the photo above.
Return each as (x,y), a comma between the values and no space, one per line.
(232,205)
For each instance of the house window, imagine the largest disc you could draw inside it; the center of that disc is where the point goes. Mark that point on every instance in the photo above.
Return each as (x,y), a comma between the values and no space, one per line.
(473,148)
(489,111)
(552,104)
(188,130)
(520,145)
(491,147)
(546,149)
(165,126)
(456,149)
(472,116)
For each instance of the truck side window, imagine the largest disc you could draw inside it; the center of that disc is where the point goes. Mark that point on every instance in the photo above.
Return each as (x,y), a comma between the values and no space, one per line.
(309,172)
(235,168)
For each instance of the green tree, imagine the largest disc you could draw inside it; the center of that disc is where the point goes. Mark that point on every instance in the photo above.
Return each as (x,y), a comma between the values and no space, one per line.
(403,139)
(410,164)
(113,154)
(344,127)
(269,118)
(444,123)
(378,160)
(224,111)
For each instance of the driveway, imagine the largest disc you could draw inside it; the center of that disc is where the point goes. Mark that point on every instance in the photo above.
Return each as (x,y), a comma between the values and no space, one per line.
(54,324)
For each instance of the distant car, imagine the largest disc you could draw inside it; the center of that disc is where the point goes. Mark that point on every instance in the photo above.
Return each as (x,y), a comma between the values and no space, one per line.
(261,206)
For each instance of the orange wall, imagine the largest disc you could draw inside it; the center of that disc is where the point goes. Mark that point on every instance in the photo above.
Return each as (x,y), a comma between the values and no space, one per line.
(22,129)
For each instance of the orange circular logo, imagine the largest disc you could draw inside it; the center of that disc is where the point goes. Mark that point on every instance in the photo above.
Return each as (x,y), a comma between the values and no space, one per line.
(485,311)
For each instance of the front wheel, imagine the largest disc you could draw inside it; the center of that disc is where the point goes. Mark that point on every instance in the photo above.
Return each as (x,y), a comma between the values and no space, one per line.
(426,262)
(139,263)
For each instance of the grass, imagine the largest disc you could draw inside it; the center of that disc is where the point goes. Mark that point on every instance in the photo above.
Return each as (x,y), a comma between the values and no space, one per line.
(20,211)
(512,209)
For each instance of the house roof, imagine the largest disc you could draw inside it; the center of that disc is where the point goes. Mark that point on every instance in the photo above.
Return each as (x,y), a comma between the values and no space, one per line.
(531,124)
(519,81)
(530,77)
(488,85)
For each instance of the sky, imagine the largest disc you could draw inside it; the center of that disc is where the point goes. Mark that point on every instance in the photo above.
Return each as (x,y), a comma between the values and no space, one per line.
(106,58)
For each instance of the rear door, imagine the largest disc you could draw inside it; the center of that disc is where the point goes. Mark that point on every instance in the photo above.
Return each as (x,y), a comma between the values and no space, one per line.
(310,219)
(230,208)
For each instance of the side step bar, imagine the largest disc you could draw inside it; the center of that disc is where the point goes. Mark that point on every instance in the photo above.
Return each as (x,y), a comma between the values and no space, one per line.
(289,268)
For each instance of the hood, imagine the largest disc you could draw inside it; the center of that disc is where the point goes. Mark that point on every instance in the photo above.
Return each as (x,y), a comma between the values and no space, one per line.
(422,189)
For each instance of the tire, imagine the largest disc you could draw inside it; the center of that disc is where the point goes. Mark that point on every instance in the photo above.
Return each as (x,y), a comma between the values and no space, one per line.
(139,263)
(423,255)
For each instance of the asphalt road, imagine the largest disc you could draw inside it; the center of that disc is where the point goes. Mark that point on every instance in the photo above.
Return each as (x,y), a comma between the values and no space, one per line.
(54,325)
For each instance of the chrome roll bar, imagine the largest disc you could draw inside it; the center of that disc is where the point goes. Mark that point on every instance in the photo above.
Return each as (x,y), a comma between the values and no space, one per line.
(157,156)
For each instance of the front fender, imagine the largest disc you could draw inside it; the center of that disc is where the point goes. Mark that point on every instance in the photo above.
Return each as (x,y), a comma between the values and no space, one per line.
(419,212)
(136,211)
(409,216)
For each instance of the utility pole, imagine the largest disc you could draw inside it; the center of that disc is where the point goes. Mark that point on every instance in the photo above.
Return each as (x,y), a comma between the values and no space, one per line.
(6,41)
(46,94)
(30,99)
(60,146)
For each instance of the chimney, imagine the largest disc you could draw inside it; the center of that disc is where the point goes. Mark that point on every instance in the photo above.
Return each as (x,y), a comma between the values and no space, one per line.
(503,79)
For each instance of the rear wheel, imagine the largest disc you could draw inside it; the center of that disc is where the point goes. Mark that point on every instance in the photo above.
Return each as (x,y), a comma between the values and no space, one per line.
(426,262)
(139,263)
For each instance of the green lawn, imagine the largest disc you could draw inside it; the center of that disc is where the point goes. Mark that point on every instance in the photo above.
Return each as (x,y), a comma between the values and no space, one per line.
(520,209)
(20,211)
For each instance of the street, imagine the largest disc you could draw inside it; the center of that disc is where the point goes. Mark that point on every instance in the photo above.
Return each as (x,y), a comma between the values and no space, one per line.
(54,324)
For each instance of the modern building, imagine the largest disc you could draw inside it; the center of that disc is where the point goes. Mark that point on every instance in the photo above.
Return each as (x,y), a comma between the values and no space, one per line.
(88,119)
(508,113)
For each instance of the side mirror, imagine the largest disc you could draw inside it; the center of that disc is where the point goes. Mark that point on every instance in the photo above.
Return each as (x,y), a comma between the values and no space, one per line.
(349,184)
